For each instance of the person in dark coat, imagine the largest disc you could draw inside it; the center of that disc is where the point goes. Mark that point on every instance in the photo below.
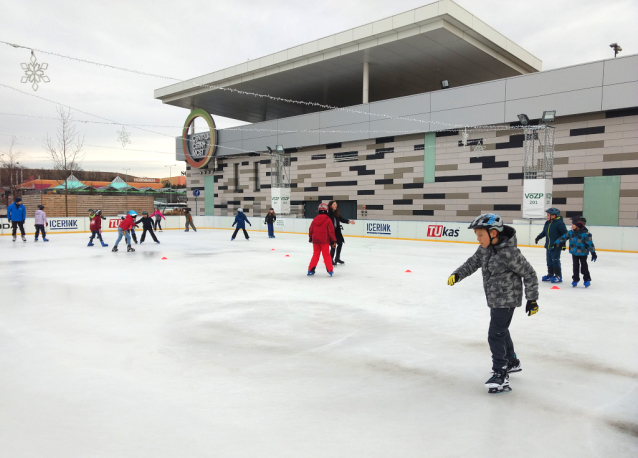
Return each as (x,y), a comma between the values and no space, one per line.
(240,221)
(553,230)
(147,225)
(271,217)
(337,219)
(321,234)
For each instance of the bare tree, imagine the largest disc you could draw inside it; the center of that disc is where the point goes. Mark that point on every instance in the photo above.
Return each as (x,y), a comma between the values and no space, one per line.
(11,163)
(65,150)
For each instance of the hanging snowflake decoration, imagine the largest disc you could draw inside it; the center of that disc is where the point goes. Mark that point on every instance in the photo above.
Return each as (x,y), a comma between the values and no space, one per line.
(465,136)
(123,136)
(34,72)
(479,147)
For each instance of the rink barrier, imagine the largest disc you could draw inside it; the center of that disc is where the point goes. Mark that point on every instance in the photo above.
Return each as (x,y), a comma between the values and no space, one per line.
(606,238)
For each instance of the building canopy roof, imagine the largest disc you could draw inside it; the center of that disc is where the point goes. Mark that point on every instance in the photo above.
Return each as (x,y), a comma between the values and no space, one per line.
(72,184)
(118,185)
(409,53)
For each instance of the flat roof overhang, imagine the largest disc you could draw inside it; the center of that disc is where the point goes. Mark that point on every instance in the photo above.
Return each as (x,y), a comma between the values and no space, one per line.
(409,53)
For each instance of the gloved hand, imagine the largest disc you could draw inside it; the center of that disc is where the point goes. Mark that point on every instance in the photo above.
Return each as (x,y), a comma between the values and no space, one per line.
(334,244)
(531,308)
(594,256)
(536,240)
(452,279)
(309,239)
(563,247)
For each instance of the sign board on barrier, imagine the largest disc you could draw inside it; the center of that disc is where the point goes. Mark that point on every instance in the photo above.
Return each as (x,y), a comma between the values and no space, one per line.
(279,222)
(280,200)
(537,197)
(381,228)
(63,224)
(443,231)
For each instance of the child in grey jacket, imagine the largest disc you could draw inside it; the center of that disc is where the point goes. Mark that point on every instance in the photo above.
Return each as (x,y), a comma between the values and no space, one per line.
(503,267)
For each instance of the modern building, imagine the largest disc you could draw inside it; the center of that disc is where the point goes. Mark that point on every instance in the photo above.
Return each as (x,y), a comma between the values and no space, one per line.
(415,117)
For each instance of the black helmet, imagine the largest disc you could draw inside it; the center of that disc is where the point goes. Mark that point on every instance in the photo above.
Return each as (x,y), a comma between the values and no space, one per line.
(553,211)
(40,207)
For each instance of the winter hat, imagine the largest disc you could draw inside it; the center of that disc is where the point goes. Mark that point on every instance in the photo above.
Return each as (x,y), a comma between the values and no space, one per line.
(144,212)
(40,207)
(323,207)
(240,210)
(579,223)
(18,199)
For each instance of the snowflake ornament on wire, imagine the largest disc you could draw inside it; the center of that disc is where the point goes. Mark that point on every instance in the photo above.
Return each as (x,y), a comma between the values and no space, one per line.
(34,72)
(479,147)
(465,136)
(123,136)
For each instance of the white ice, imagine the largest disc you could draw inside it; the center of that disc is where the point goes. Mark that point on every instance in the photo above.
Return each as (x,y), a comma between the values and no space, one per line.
(228,349)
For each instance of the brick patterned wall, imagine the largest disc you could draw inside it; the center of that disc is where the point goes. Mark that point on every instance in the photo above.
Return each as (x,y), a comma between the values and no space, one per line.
(386,174)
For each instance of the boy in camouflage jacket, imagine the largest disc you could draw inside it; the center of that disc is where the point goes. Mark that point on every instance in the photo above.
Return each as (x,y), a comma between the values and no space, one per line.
(503,266)
(581,244)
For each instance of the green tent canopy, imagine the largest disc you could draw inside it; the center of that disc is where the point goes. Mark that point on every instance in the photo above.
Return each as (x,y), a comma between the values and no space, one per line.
(118,185)
(72,184)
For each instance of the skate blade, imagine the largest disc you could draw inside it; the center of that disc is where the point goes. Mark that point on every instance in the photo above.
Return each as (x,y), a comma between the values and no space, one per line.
(514,370)
(505,389)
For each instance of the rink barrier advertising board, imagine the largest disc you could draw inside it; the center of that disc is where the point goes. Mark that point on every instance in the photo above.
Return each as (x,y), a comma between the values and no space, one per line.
(63,224)
(279,223)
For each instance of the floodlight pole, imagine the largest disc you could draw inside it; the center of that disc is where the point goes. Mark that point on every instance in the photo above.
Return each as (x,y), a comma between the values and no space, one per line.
(170,179)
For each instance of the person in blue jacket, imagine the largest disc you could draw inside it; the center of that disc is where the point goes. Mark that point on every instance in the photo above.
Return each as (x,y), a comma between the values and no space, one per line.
(17,213)
(240,221)
(581,244)
(554,228)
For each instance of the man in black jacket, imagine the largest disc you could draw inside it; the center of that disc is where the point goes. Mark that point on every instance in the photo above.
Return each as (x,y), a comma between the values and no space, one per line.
(337,219)
(147,225)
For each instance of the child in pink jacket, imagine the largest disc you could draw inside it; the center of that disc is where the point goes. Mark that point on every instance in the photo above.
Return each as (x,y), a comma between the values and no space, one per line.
(40,222)
(158,219)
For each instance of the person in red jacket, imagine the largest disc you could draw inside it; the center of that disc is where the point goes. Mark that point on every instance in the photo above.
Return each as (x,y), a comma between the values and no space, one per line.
(123,230)
(96,228)
(322,235)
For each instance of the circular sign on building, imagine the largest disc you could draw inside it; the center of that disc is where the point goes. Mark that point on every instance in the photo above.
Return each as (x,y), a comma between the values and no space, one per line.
(199,148)
(196,192)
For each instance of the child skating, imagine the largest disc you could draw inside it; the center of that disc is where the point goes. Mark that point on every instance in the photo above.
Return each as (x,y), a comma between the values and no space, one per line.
(322,235)
(40,223)
(553,229)
(503,266)
(123,231)
(147,225)
(270,219)
(189,220)
(581,244)
(157,214)
(96,228)
(240,221)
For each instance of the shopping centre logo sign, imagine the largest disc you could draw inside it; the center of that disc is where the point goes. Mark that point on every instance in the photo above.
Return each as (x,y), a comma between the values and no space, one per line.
(199,148)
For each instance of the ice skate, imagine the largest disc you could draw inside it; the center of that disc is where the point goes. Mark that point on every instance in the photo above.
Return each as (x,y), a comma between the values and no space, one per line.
(311,271)
(14,238)
(114,249)
(44,239)
(339,261)
(547,277)
(130,249)
(587,284)
(514,366)
(24,239)
(102,242)
(157,241)
(90,243)
(557,279)
(331,272)
(574,284)
(499,382)
(36,239)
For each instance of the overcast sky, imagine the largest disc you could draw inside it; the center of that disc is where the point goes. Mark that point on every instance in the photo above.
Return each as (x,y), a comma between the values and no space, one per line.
(189,39)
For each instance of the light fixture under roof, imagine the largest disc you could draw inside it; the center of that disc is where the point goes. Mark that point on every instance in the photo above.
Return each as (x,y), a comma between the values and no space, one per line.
(549,116)
(524,120)
(445,84)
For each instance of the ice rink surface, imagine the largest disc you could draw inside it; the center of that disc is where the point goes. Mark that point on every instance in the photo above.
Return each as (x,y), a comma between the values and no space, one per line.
(229,350)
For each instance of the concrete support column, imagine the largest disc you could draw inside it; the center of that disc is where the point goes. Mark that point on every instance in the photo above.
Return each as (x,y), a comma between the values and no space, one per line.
(366,82)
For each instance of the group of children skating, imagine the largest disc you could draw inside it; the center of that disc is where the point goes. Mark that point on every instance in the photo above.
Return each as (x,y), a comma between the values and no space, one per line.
(126,228)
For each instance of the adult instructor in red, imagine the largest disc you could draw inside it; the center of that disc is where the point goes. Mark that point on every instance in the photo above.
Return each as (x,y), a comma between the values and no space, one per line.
(322,235)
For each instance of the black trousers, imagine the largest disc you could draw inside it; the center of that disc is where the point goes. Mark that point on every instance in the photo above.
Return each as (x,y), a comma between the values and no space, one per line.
(499,338)
(158,223)
(584,268)
(243,229)
(95,234)
(338,250)
(150,231)
(15,224)
(40,228)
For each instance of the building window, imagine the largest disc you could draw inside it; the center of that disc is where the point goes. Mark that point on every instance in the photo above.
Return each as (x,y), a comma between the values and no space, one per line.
(236,165)
(256,165)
